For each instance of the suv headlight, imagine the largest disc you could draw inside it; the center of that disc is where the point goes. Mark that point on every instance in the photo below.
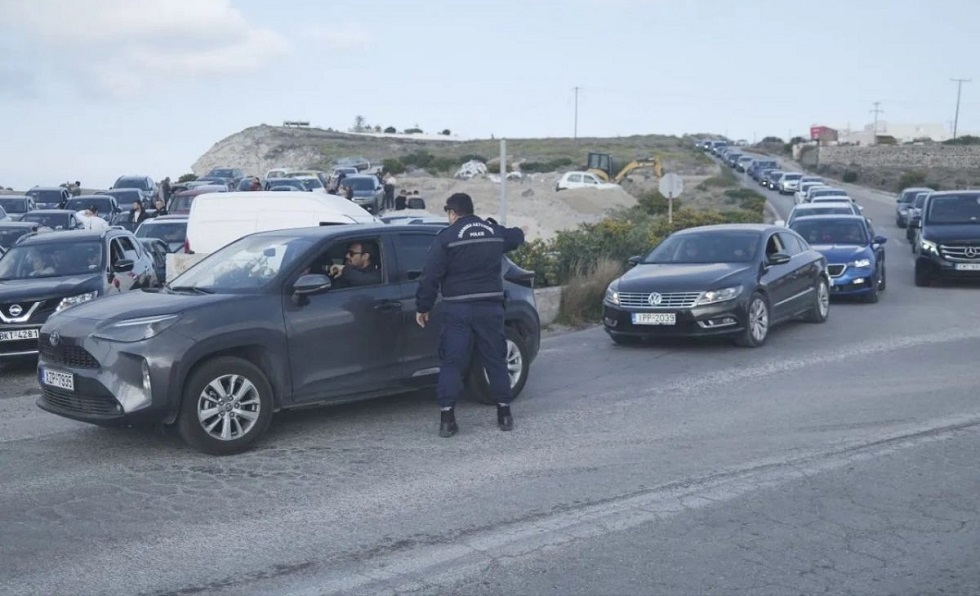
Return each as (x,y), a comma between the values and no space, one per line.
(132,330)
(73,300)
(861,263)
(612,294)
(721,295)
(929,246)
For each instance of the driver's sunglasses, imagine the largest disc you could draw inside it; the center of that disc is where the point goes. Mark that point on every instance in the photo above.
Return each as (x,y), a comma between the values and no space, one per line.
(447,209)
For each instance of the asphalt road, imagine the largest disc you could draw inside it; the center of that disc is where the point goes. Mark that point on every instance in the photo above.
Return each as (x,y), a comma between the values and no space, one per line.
(842,457)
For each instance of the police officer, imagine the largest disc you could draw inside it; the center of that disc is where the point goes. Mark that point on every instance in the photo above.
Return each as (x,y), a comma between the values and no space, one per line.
(465,264)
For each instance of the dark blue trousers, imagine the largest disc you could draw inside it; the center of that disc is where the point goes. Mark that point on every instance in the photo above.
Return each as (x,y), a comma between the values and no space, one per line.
(467,325)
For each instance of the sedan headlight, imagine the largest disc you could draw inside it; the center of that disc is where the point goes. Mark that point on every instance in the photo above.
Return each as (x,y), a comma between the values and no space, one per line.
(929,246)
(612,294)
(132,330)
(73,300)
(861,263)
(722,295)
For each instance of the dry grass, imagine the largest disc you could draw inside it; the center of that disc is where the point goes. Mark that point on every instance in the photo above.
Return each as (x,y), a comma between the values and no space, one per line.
(581,300)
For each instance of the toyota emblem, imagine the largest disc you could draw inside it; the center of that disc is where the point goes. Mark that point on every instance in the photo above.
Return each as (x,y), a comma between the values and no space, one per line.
(971,252)
(15,310)
(55,338)
(655,299)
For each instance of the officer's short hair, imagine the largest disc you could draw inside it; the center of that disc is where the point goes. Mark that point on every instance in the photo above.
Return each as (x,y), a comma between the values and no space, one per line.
(461,203)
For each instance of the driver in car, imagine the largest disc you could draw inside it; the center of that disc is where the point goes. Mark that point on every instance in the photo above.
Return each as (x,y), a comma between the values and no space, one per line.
(359,268)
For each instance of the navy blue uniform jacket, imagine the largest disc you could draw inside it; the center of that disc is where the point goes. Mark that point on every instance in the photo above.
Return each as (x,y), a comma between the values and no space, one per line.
(465,263)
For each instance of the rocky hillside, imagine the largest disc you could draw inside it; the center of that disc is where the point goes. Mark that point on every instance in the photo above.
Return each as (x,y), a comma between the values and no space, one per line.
(261,148)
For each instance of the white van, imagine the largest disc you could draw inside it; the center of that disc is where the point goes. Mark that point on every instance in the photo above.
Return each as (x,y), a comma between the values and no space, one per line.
(217,219)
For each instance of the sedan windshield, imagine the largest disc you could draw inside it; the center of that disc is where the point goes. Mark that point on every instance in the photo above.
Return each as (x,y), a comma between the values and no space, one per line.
(10,235)
(830,192)
(131,183)
(730,246)
(219,173)
(104,205)
(312,183)
(55,221)
(14,205)
(171,233)
(954,209)
(60,259)
(920,200)
(245,266)
(48,197)
(832,231)
(359,183)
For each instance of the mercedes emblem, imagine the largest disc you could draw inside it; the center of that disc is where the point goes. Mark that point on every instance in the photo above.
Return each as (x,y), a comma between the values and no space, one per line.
(15,310)
(55,338)
(971,252)
(655,299)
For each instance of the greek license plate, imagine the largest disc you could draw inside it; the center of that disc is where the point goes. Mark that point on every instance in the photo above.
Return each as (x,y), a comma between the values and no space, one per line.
(967,266)
(18,334)
(654,318)
(61,380)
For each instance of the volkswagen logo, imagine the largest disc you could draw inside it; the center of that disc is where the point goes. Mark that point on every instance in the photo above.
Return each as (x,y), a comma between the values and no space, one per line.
(971,252)
(55,338)
(15,310)
(655,299)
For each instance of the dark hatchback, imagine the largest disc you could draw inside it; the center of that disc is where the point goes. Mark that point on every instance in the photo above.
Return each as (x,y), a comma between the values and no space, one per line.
(46,273)
(255,328)
(734,280)
(16,206)
(56,219)
(948,236)
(49,197)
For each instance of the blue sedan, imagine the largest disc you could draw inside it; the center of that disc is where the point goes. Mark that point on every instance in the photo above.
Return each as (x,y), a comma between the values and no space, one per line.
(855,256)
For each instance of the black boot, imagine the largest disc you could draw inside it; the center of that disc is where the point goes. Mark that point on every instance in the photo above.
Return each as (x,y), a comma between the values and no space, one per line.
(447,424)
(504,420)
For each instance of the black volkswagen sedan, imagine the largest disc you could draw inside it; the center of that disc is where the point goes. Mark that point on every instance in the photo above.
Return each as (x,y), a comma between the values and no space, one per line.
(734,280)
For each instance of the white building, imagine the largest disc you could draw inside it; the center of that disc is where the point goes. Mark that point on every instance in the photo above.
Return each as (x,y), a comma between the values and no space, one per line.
(903,133)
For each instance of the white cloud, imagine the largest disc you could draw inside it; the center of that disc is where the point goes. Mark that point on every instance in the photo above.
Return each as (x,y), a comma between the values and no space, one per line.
(127,48)
(343,36)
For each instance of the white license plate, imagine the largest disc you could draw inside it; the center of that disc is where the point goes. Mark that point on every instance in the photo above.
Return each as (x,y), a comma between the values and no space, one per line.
(18,334)
(967,266)
(61,380)
(654,318)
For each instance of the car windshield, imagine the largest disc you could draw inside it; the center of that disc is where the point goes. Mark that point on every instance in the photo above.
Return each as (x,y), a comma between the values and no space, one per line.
(10,235)
(359,183)
(311,183)
(138,183)
(825,210)
(829,192)
(55,259)
(287,182)
(832,231)
(182,203)
(222,173)
(920,200)
(733,246)
(792,176)
(48,197)
(245,266)
(104,205)
(170,232)
(124,194)
(954,209)
(55,221)
(14,205)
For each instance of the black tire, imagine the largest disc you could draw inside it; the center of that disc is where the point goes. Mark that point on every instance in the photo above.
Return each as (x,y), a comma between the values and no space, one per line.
(881,278)
(820,310)
(748,337)
(192,430)
(923,277)
(479,386)
(872,296)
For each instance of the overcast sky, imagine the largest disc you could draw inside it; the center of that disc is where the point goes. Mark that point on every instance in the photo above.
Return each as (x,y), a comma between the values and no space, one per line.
(93,89)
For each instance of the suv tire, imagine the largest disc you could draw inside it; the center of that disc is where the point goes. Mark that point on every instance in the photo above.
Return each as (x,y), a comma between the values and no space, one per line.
(246,401)
(518,359)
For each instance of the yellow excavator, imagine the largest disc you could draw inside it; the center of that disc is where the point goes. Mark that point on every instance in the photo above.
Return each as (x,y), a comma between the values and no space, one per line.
(603,166)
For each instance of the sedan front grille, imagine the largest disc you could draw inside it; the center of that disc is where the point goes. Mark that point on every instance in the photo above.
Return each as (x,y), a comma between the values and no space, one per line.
(70,356)
(836,270)
(81,404)
(667,299)
(967,254)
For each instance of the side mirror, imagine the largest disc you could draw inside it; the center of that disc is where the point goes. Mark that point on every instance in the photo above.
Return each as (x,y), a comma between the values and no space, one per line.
(313,283)
(779,222)
(778,259)
(123,265)
(634,260)
(879,240)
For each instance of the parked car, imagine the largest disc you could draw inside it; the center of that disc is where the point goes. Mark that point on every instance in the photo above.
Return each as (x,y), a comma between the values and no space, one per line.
(570,180)
(171,229)
(836,199)
(56,219)
(771,181)
(125,197)
(144,184)
(914,214)
(855,256)
(949,237)
(732,280)
(824,191)
(108,207)
(230,176)
(181,202)
(270,183)
(903,204)
(311,183)
(46,273)
(17,205)
(12,231)
(49,197)
(809,210)
(801,191)
(369,193)
(256,328)
(788,183)
(760,165)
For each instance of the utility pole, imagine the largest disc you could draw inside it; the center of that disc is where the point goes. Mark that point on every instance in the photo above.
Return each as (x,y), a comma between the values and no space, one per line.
(959,90)
(576,116)
(876,111)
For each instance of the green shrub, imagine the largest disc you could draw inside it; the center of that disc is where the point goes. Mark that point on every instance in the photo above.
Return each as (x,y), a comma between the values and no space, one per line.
(412,131)
(849,176)
(446,132)
(391,130)
(581,299)
(718,182)
(393,165)
(546,166)
(494,167)
(187,178)
(911,179)
(538,255)
(655,203)
(418,159)
(964,140)
(746,199)
(472,157)
(442,164)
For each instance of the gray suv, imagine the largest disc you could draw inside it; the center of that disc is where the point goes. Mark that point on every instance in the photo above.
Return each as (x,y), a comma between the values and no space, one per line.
(255,328)
(369,193)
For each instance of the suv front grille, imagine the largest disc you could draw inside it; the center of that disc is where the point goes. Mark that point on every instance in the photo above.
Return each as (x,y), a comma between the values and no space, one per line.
(81,404)
(960,253)
(70,356)
(667,300)
(836,270)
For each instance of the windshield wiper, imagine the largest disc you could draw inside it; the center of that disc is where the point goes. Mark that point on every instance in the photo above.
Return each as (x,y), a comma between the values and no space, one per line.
(189,289)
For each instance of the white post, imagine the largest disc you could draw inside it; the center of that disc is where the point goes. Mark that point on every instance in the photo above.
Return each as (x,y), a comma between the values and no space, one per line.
(503,182)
